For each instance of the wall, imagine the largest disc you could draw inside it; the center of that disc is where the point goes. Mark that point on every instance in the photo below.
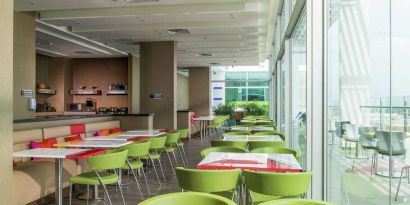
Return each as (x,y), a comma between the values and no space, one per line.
(60,78)
(134,73)
(100,72)
(24,73)
(182,92)
(6,101)
(199,92)
(158,75)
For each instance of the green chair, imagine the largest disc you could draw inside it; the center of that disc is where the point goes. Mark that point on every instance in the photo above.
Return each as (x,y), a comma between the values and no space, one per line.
(170,145)
(269,133)
(296,202)
(267,186)
(188,198)
(258,144)
(183,134)
(248,123)
(135,152)
(237,133)
(219,182)
(278,150)
(222,143)
(257,123)
(156,147)
(243,125)
(98,176)
(206,151)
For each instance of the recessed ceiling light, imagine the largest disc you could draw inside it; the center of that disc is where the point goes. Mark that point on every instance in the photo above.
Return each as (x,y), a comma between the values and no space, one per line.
(238,37)
(204,54)
(215,63)
(83,52)
(50,43)
(186,13)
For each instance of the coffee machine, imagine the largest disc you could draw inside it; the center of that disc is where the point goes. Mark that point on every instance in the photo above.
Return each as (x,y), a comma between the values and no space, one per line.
(91,105)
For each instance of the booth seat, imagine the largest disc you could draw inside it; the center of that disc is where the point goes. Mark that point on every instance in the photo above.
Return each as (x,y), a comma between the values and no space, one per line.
(33,180)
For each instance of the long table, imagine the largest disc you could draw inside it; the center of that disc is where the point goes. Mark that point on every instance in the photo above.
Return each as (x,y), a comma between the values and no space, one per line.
(256,128)
(58,154)
(251,161)
(249,138)
(203,123)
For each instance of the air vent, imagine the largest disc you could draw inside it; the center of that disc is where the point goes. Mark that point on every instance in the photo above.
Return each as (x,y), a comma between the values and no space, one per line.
(204,54)
(215,63)
(177,31)
(140,1)
(83,52)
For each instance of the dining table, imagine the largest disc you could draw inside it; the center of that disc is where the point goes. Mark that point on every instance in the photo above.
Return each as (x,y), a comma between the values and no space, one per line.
(142,133)
(256,128)
(251,161)
(203,123)
(250,138)
(58,154)
(97,144)
(118,138)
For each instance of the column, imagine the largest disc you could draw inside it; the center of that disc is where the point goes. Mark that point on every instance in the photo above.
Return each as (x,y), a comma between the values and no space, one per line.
(199,90)
(158,82)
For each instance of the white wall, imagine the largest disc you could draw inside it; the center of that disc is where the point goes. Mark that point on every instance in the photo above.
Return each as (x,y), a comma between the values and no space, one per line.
(182,92)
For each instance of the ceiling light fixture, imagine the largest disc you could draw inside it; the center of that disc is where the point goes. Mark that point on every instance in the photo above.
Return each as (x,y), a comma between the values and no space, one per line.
(140,1)
(204,54)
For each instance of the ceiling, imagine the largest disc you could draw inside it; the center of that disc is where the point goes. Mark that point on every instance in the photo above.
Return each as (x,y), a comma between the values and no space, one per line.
(221,32)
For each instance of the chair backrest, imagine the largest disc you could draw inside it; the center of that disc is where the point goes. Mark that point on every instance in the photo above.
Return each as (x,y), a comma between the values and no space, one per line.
(206,151)
(207,181)
(351,131)
(172,137)
(296,202)
(245,123)
(113,160)
(263,123)
(270,133)
(237,133)
(137,149)
(183,133)
(364,131)
(158,142)
(278,150)
(257,144)
(339,128)
(390,142)
(278,184)
(187,198)
(219,143)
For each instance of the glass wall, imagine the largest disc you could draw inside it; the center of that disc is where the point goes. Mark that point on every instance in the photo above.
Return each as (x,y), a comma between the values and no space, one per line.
(368,48)
(246,86)
(299,80)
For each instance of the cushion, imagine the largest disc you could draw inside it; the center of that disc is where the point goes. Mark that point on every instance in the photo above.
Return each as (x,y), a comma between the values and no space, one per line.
(102,133)
(48,143)
(73,138)
(115,131)
(77,129)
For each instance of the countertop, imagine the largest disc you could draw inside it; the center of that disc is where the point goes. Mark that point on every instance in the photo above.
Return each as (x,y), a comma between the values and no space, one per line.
(73,116)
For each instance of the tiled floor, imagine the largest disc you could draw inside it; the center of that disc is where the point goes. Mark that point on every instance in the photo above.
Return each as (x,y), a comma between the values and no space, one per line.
(131,193)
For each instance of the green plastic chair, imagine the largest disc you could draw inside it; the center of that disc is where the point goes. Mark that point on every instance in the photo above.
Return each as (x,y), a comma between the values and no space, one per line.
(243,125)
(222,143)
(257,123)
(296,202)
(188,198)
(248,123)
(99,164)
(237,133)
(269,133)
(267,186)
(183,134)
(171,144)
(278,150)
(219,182)
(157,146)
(206,151)
(258,144)
(135,152)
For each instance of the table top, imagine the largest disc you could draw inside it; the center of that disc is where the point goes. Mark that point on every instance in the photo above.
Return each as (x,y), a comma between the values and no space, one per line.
(253,128)
(205,118)
(142,133)
(49,152)
(251,161)
(99,144)
(117,138)
(248,138)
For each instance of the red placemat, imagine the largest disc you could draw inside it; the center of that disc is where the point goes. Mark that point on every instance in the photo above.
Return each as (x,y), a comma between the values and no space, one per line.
(86,154)
(137,138)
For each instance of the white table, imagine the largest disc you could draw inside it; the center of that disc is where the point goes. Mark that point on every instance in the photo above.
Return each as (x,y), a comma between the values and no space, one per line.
(55,153)
(203,122)
(99,144)
(142,133)
(248,138)
(113,138)
(253,128)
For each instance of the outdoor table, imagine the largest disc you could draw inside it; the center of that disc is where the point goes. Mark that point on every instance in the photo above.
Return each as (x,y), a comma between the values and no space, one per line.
(248,138)
(58,154)
(252,128)
(203,122)
(251,161)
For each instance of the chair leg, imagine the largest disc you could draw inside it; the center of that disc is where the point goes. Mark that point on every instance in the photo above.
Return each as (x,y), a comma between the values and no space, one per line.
(88,193)
(122,195)
(170,161)
(156,173)
(146,181)
(70,194)
(182,157)
(175,158)
(186,159)
(135,177)
(398,187)
(162,170)
(104,187)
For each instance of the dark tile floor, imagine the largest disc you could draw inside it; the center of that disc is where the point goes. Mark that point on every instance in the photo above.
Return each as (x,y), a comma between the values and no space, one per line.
(131,193)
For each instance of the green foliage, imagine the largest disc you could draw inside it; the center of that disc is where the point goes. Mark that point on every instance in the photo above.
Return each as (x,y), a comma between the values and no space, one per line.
(226,109)
(252,107)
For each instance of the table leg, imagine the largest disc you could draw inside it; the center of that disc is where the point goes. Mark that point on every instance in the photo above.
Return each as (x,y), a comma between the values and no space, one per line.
(59,181)
(201,130)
